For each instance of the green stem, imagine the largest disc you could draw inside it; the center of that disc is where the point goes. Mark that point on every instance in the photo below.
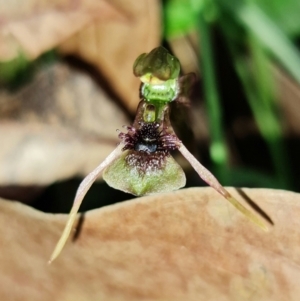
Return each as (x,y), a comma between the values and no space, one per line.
(218,151)
(265,105)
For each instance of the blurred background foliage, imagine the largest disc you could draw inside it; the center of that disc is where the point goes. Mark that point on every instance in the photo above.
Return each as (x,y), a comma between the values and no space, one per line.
(258,40)
(77,87)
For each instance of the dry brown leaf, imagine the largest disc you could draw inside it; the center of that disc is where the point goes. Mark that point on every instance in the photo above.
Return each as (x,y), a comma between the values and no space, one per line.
(188,245)
(32,27)
(60,125)
(113,46)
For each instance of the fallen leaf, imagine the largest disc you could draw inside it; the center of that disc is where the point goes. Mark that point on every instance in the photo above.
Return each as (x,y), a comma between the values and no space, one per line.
(60,125)
(112,47)
(185,245)
(33,27)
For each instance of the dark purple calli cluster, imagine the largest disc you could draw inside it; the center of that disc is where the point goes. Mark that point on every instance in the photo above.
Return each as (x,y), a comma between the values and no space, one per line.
(149,146)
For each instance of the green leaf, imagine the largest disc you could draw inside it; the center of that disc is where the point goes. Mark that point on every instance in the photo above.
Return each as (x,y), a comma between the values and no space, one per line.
(10,70)
(180,16)
(284,13)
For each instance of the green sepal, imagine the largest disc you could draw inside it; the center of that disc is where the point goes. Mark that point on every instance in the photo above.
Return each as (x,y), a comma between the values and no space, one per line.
(128,179)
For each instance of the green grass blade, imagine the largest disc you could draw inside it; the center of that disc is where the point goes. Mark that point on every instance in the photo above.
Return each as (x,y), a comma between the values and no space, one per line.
(270,36)
(218,151)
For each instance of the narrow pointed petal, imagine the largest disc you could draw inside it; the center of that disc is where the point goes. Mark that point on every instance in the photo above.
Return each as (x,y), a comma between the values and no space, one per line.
(80,194)
(210,179)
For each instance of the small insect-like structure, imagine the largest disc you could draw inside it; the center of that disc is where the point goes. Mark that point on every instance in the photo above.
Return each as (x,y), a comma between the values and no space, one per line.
(142,163)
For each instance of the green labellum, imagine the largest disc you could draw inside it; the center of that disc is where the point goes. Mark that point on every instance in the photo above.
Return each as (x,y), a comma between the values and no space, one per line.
(120,175)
